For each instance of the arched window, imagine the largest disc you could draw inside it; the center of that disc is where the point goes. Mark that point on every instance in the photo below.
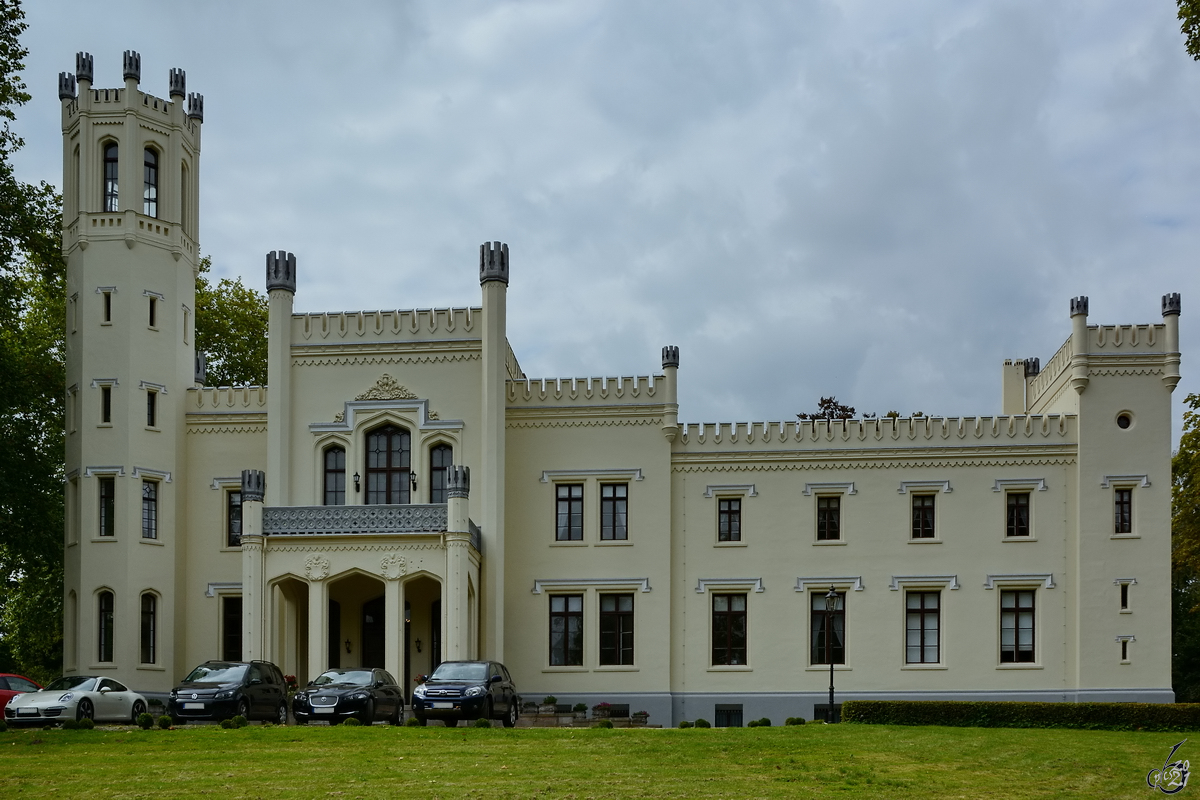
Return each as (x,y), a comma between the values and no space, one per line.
(150,184)
(389,452)
(110,177)
(104,639)
(440,458)
(149,628)
(335,476)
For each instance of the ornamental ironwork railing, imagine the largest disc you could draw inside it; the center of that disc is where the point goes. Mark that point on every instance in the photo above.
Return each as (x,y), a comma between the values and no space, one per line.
(343,520)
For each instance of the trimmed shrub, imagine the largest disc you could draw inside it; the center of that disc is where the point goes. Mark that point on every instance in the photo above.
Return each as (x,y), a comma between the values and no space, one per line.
(240,722)
(1085,716)
(579,707)
(68,725)
(483,722)
(85,724)
(703,723)
(3,726)
(794,721)
(549,700)
(145,721)
(227,724)
(352,722)
(752,723)
(602,723)
(164,722)
(765,722)
(685,724)
(412,722)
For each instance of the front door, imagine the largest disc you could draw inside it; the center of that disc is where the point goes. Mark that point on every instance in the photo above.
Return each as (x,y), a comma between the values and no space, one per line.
(373,633)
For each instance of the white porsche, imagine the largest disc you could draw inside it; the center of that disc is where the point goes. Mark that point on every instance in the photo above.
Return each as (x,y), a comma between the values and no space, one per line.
(77,697)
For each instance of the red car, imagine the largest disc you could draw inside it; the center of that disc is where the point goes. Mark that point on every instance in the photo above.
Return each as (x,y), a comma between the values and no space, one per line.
(13,685)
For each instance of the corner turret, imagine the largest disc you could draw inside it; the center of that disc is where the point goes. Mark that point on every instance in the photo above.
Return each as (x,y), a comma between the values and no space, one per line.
(493,262)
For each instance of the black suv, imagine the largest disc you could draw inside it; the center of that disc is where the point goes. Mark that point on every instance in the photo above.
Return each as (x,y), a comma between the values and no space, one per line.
(223,689)
(467,690)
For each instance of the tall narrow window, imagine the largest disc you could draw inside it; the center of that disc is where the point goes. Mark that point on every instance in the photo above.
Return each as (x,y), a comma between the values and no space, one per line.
(151,409)
(108,502)
(614,511)
(729,519)
(233,519)
(566,630)
(834,624)
(1016,627)
(616,629)
(231,628)
(389,452)
(728,629)
(569,512)
(184,205)
(107,306)
(335,476)
(829,519)
(1018,514)
(104,636)
(149,509)
(922,628)
(922,516)
(110,178)
(1123,507)
(1124,596)
(149,628)
(150,184)
(153,320)
(440,459)
(106,405)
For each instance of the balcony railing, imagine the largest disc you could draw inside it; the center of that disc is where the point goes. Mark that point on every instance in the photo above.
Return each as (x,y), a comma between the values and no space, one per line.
(350,520)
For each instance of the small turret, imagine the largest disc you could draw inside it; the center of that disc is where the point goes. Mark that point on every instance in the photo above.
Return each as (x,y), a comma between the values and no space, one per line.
(281,271)
(66,86)
(177,80)
(1170,311)
(670,364)
(1170,304)
(83,67)
(132,65)
(1079,305)
(458,481)
(254,484)
(196,107)
(493,262)
(670,356)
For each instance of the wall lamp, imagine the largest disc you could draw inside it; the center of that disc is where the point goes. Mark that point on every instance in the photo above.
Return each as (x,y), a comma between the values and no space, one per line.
(356,481)
(418,643)
(412,477)
(347,645)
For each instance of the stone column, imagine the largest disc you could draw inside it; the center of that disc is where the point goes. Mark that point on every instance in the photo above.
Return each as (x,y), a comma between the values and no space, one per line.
(253,591)
(317,570)
(1079,343)
(393,568)
(670,365)
(458,539)
(1170,311)
(493,277)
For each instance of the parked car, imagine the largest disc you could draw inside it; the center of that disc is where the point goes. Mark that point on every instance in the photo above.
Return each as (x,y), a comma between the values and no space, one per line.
(77,697)
(224,689)
(13,685)
(459,690)
(338,694)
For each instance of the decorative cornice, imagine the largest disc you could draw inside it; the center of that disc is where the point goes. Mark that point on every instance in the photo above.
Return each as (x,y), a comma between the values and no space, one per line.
(158,387)
(1033,483)
(162,475)
(106,471)
(225,428)
(1044,578)
(222,586)
(540,584)
(765,465)
(634,474)
(854,582)
(741,583)
(1140,480)
(353,520)
(905,486)
(406,547)
(386,388)
(745,489)
(899,581)
(847,487)
(587,423)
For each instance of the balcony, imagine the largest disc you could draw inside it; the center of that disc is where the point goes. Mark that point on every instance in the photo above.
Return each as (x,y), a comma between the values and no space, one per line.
(353,520)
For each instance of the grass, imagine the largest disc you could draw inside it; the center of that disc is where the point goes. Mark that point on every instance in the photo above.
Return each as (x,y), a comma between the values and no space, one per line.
(381,761)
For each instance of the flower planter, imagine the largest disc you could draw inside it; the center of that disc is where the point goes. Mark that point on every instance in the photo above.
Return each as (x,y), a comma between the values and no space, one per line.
(640,720)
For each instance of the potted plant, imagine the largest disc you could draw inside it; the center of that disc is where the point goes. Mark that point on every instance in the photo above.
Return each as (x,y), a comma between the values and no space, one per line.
(548,706)
(580,712)
(600,710)
(640,718)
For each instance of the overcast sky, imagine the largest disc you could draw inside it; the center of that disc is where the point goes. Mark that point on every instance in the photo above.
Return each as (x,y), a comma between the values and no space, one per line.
(876,200)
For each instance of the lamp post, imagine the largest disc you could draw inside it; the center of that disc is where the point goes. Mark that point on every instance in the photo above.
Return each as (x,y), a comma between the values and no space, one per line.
(830,606)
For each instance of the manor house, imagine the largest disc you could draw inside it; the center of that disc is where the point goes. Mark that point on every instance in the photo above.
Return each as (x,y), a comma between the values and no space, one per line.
(401,493)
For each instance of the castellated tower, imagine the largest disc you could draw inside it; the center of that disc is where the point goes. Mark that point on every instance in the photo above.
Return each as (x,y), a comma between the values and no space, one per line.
(130,225)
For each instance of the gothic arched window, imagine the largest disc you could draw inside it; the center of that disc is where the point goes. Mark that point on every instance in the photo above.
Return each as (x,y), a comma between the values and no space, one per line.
(150,184)
(389,455)
(110,177)
(440,459)
(335,476)
(104,637)
(149,628)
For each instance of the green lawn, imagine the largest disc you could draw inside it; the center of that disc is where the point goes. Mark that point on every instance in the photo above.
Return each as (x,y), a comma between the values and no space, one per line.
(381,761)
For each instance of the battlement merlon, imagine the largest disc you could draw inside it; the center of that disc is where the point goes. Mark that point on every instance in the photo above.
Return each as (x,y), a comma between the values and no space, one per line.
(177,83)
(631,390)
(281,271)
(131,67)
(66,86)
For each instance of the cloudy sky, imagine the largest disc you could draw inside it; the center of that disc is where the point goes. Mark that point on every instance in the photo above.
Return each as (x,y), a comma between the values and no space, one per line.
(876,200)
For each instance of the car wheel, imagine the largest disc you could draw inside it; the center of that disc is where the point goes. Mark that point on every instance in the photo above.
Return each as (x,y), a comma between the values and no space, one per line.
(489,710)
(301,720)
(139,708)
(510,719)
(281,715)
(243,708)
(368,716)
(85,710)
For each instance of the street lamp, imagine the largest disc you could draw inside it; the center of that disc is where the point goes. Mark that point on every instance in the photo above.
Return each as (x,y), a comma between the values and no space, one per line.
(830,606)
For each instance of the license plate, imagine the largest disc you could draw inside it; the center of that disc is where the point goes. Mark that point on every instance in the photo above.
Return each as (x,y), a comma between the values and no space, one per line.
(27,712)
(442,705)
(323,710)
(193,705)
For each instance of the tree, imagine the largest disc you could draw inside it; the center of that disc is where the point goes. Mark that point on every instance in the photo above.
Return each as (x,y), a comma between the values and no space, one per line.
(1185,557)
(32,385)
(231,330)
(829,408)
(1189,16)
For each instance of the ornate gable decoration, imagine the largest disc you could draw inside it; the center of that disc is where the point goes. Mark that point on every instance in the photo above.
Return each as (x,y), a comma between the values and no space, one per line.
(386,388)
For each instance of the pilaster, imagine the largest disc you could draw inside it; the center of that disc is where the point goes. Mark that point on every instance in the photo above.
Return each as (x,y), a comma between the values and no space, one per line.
(281,290)
(254,607)
(493,277)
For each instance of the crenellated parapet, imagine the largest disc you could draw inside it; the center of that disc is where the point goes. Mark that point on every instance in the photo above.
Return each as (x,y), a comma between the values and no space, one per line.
(248,399)
(888,432)
(398,325)
(634,389)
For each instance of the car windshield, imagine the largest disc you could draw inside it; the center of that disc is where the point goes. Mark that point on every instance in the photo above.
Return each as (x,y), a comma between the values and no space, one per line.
(79,682)
(460,671)
(356,677)
(217,673)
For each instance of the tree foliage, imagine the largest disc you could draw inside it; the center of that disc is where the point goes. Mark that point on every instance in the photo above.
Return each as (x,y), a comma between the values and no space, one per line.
(829,408)
(1185,557)
(231,330)
(1189,18)
(32,385)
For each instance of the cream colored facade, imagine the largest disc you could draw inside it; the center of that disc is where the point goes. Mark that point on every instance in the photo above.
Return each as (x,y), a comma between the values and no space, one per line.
(922,506)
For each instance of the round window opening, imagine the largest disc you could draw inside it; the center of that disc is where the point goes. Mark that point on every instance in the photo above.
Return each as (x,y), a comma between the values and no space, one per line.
(1124,421)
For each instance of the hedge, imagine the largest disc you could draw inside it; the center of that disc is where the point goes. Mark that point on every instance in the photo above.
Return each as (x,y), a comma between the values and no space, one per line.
(1087,716)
